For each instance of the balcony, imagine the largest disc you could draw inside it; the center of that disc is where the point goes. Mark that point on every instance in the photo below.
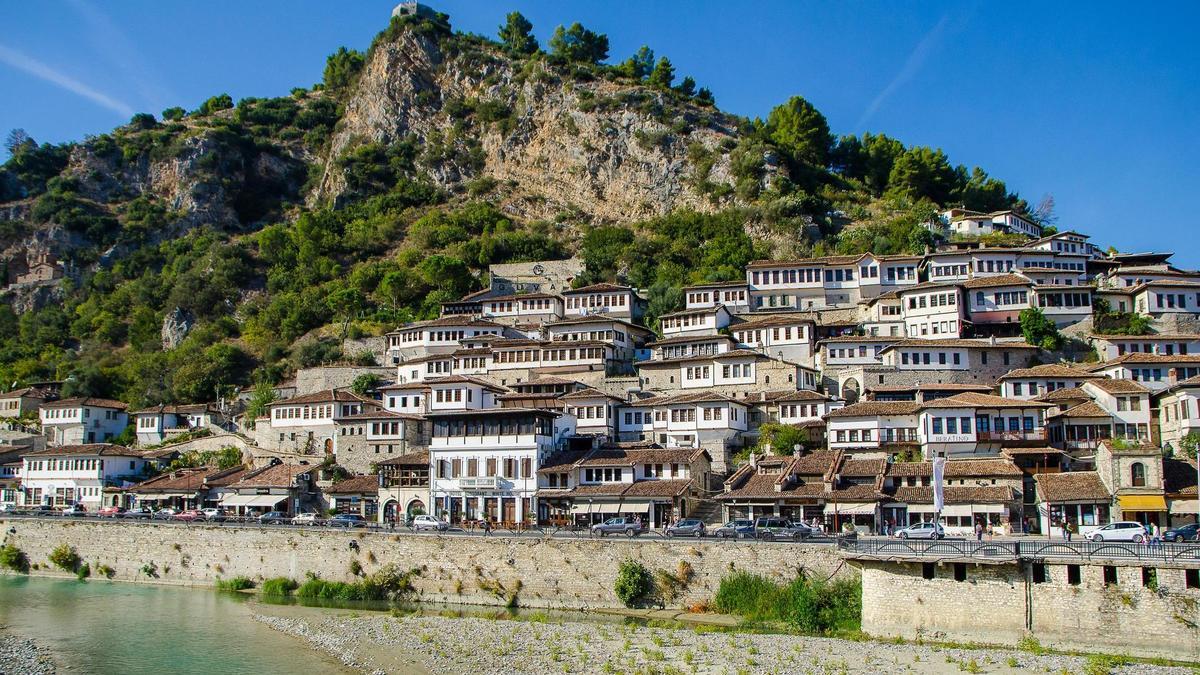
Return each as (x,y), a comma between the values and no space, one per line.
(479,483)
(1038,435)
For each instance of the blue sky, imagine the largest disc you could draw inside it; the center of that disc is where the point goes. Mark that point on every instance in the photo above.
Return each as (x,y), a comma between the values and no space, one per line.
(1097,104)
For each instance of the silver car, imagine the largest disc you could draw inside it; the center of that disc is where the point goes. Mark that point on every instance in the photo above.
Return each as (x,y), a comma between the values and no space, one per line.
(926,530)
(1119,531)
(688,527)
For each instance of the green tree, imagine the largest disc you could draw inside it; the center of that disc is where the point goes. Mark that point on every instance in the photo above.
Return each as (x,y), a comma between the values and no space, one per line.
(705,97)
(264,395)
(801,131)
(983,193)
(143,121)
(345,304)
(782,439)
(869,159)
(687,86)
(342,68)
(639,65)
(214,104)
(1039,330)
(663,74)
(923,173)
(173,114)
(1189,443)
(578,44)
(516,35)
(364,383)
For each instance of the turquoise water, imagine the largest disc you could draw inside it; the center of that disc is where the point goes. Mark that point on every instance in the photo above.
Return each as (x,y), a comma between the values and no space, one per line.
(106,627)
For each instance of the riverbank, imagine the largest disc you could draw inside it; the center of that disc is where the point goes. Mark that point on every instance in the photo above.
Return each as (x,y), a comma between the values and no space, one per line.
(24,656)
(435,644)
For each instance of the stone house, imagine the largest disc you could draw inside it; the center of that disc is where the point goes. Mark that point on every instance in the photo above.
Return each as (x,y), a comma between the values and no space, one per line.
(279,487)
(404,486)
(306,424)
(364,439)
(23,402)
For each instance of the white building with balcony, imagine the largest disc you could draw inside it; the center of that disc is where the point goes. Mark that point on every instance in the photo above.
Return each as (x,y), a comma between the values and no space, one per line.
(66,474)
(1178,412)
(611,299)
(1164,344)
(79,421)
(484,462)
(932,311)
(734,295)
(972,424)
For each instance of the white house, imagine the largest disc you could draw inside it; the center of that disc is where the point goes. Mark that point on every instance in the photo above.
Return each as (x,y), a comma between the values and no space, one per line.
(485,461)
(79,421)
(873,427)
(789,338)
(526,307)
(705,321)
(66,474)
(1163,344)
(734,295)
(595,412)
(611,299)
(932,310)
(970,424)
(306,423)
(853,350)
(439,336)
(1178,411)
(997,299)
(1029,383)
(1156,372)
(1157,298)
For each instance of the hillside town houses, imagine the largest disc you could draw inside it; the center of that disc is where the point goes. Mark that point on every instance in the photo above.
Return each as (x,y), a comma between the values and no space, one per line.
(543,401)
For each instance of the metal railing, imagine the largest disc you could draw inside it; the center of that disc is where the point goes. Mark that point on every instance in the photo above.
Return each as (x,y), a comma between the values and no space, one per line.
(1024,549)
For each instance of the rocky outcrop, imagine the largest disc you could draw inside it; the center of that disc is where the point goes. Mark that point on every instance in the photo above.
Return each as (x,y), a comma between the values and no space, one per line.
(598,150)
(176,326)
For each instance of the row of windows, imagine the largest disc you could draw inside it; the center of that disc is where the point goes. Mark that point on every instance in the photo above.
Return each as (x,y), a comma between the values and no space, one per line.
(751,337)
(1173,300)
(451,395)
(506,426)
(686,321)
(580,302)
(726,297)
(851,352)
(926,358)
(949,270)
(696,373)
(729,371)
(1156,374)
(681,351)
(1167,348)
(507,467)
(470,362)
(1064,299)
(306,412)
(596,335)
(802,410)
(532,355)
(1018,388)
(525,305)
(589,412)
(1003,298)
(933,300)
(67,465)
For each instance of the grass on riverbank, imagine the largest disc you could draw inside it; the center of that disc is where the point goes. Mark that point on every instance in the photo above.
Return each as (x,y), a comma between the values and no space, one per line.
(812,607)
(279,587)
(389,583)
(234,584)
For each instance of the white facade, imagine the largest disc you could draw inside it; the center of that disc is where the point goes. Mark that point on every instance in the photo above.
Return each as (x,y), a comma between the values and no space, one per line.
(78,473)
(932,312)
(79,421)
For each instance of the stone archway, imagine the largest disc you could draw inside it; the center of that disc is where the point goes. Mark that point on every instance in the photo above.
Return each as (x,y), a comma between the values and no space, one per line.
(390,509)
(415,507)
(850,390)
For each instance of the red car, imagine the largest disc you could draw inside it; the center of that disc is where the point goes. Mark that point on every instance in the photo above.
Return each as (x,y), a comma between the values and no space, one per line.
(111,511)
(189,515)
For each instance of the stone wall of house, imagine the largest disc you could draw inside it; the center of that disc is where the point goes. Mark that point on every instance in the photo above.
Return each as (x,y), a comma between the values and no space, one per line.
(551,572)
(320,378)
(996,604)
(357,454)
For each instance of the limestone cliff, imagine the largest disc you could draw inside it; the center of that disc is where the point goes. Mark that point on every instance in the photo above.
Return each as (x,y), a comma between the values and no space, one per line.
(594,149)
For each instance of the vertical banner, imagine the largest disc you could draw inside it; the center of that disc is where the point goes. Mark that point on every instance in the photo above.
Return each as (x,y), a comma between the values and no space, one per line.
(939,472)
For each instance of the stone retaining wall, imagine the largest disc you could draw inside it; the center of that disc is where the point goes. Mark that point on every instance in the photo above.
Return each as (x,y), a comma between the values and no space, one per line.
(543,572)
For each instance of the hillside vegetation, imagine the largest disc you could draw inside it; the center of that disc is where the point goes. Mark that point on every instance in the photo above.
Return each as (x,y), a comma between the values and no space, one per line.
(274,227)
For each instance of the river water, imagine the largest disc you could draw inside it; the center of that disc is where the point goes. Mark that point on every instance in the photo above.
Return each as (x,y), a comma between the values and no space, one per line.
(120,628)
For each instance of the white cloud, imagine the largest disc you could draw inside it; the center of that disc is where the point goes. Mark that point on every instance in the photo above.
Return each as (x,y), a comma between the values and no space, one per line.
(45,73)
(111,43)
(916,59)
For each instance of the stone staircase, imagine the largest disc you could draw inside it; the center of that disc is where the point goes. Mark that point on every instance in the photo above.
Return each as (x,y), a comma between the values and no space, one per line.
(707,510)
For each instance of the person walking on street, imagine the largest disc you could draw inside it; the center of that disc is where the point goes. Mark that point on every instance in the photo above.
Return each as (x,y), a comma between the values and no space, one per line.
(1068,528)
(978,531)
(487,526)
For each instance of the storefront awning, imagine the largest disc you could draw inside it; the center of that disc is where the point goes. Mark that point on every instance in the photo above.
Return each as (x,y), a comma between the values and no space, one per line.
(1142,502)
(851,509)
(252,500)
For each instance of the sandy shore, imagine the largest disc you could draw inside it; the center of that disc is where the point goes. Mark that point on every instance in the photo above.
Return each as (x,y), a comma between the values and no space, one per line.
(378,643)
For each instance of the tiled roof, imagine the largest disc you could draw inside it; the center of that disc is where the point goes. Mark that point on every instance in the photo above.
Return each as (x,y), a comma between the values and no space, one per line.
(183,480)
(456,321)
(959,468)
(598,288)
(862,467)
(1111,386)
(608,456)
(228,478)
(960,342)
(695,310)
(1049,370)
(754,485)
(1071,486)
(596,318)
(96,449)
(378,414)
(997,281)
(931,386)
(860,338)
(325,396)
(86,401)
(279,475)
(588,394)
(686,339)
(1088,409)
(1142,357)
(562,461)
(411,458)
(786,395)
(685,399)
(956,494)
(28,392)
(463,379)
(717,284)
(826,260)
(354,485)
(815,463)
(873,408)
(978,400)
(658,488)
(1063,394)
(773,320)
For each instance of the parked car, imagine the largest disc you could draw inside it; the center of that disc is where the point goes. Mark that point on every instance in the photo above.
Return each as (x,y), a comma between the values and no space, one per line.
(214,515)
(425,522)
(770,528)
(812,531)
(1125,530)
(165,514)
(926,530)
(274,518)
(74,510)
(1190,532)
(8,508)
(189,515)
(347,520)
(306,518)
(139,513)
(688,527)
(111,512)
(627,525)
(735,529)
(43,510)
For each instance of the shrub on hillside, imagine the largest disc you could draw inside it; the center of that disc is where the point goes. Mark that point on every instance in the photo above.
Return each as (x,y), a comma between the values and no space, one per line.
(635,584)
(65,558)
(813,607)
(13,558)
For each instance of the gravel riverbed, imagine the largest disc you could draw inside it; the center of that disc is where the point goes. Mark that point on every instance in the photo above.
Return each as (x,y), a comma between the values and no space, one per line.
(23,656)
(434,644)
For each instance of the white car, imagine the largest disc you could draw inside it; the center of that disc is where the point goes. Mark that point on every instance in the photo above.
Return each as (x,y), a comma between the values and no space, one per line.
(926,530)
(307,518)
(425,522)
(1119,531)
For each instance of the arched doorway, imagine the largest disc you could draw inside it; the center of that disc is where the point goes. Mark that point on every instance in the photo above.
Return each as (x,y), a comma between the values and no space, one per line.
(390,510)
(850,390)
(416,508)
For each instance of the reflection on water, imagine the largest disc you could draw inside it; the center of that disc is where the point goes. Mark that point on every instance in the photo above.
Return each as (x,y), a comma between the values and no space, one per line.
(121,628)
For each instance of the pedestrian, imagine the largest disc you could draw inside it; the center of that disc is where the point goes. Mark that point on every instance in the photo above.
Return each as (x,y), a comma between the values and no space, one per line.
(1068,529)
(978,531)
(487,526)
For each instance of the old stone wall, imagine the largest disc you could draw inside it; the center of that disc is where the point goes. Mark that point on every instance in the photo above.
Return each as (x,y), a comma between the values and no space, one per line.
(320,378)
(550,572)
(995,604)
